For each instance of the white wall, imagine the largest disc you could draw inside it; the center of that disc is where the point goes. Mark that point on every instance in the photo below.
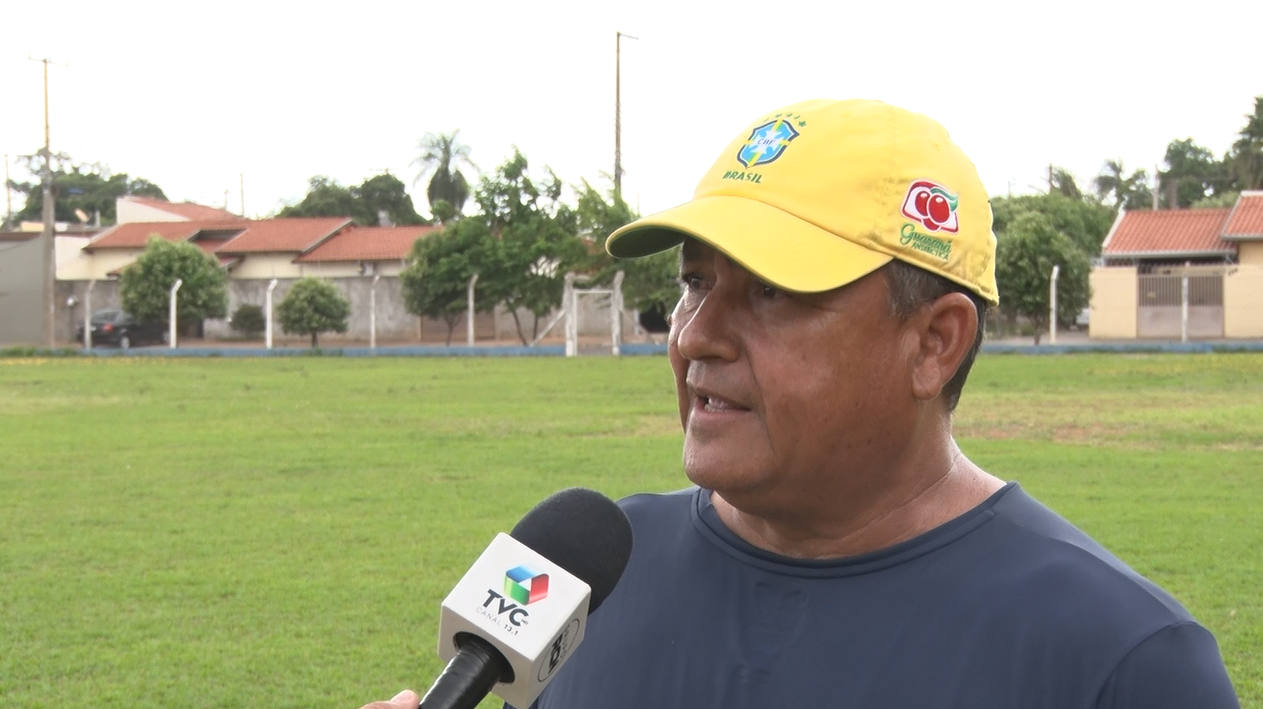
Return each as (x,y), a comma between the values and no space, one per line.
(1243,295)
(96,265)
(267,266)
(1115,298)
(351,269)
(128,212)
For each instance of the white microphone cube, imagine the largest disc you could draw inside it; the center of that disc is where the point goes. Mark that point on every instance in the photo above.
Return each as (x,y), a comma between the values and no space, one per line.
(532,610)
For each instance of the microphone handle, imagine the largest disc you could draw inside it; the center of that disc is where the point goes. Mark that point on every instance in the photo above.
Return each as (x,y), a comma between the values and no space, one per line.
(469,677)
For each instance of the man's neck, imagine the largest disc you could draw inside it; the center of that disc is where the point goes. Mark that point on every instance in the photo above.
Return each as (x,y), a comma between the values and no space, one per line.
(890,517)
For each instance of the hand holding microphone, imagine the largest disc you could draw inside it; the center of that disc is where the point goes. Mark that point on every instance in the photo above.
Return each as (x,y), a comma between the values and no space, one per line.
(407,699)
(522,608)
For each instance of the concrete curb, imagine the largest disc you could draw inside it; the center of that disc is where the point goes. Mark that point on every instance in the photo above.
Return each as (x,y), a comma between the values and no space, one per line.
(632,350)
(1125,347)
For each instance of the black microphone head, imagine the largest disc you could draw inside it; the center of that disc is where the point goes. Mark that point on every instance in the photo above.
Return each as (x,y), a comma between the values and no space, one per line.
(583,532)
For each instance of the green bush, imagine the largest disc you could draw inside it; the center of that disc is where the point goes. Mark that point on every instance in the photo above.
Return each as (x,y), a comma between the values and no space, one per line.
(311,307)
(248,320)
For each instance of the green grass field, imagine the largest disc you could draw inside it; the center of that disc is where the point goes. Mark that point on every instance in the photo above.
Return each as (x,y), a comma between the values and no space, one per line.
(279,532)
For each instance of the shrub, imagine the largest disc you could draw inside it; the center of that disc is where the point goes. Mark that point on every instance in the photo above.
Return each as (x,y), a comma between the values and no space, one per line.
(313,306)
(248,320)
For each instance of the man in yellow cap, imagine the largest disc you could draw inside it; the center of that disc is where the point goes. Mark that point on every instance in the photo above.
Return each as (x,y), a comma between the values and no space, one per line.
(838,549)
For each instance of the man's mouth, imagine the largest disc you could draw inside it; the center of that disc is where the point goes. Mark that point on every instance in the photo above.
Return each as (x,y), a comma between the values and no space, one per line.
(718,404)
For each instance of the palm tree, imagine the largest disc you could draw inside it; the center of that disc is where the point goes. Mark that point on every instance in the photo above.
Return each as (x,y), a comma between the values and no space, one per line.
(1062,181)
(441,154)
(1127,192)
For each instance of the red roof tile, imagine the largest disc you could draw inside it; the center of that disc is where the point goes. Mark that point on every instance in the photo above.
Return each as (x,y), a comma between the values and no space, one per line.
(287,234)
(1183,232)
(368,244)
(136,234)
(188,210)
(1246,219)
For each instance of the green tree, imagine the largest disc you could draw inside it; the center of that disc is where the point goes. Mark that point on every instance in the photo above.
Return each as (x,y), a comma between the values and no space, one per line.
(1086,222)
(535,241)
(1123,191)
(1027,251)
(87,188)
(650,285)
(313,306)
(440,158)
(145,285)
(1246,157)
(435,282)
(326,197)
(1221,199)
(387,193)
(1192,174)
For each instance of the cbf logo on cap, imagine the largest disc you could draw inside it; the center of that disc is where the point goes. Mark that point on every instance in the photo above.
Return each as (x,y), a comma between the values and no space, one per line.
(767,142)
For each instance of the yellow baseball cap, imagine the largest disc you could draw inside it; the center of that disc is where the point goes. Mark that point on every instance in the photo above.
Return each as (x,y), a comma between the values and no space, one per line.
(815,195)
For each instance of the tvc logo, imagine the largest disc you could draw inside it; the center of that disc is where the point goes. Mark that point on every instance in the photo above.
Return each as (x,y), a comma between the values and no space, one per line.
(521,584)
(525,585)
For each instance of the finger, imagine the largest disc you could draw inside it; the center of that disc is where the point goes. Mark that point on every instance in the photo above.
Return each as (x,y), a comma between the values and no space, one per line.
(407,699)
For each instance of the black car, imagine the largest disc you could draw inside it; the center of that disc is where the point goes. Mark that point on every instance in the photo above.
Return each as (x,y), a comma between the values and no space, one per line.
(115,327)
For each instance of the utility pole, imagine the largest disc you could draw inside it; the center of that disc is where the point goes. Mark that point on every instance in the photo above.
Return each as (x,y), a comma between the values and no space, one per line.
(47,237)
(241,179)
(618,115)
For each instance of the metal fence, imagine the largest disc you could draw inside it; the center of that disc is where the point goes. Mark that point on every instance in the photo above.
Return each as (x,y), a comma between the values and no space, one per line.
(1187,307)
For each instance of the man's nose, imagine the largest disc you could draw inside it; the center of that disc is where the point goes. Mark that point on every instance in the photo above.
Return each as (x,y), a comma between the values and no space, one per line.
(708,330)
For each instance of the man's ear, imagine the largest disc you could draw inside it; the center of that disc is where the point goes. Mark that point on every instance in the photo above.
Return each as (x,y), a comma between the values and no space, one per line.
(946,329)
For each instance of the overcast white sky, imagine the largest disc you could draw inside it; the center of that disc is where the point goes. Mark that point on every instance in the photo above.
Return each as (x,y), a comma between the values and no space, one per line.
(189,95)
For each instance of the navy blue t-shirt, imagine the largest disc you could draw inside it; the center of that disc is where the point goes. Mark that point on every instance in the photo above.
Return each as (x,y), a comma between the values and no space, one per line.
(1006,606)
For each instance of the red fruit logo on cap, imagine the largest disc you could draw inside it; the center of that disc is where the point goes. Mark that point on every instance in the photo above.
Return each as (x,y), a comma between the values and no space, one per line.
(932,205)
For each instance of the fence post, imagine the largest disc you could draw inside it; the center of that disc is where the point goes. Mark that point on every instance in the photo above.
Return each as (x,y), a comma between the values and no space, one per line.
(268,306)
(469,322)
(372,313)
(87,315)
(171,336)
(1184,308)
(1052,306)
(572,320)
(616,314)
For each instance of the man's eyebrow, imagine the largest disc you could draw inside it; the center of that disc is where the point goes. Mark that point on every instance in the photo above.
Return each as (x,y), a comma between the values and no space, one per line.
(690,249)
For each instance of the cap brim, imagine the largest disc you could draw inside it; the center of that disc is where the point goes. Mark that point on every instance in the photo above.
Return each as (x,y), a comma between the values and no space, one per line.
(776,246)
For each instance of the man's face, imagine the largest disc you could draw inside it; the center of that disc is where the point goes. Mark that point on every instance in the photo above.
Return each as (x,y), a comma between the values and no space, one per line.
(785,398)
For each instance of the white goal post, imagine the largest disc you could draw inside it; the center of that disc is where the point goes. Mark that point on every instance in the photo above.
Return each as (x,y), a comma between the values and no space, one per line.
(570,312)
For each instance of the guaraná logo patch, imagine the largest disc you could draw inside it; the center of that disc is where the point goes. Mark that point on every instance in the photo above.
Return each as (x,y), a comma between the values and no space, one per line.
(932,206)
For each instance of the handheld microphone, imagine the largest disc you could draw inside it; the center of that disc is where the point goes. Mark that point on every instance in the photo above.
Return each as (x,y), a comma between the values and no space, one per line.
(521,609)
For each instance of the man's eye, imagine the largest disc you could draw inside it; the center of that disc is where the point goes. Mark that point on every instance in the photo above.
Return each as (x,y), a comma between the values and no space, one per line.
(770,291)
(691,281)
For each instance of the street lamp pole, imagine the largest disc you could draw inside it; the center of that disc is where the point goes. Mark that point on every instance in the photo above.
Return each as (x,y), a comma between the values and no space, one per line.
(618,114)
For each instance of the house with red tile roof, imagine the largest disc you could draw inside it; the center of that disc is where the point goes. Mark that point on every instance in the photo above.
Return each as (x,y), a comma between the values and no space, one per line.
(134,208)
(269,248)
(1186,274)
(253,252)
(265,248)
(1245,227)
(1164,236)
(363,251)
